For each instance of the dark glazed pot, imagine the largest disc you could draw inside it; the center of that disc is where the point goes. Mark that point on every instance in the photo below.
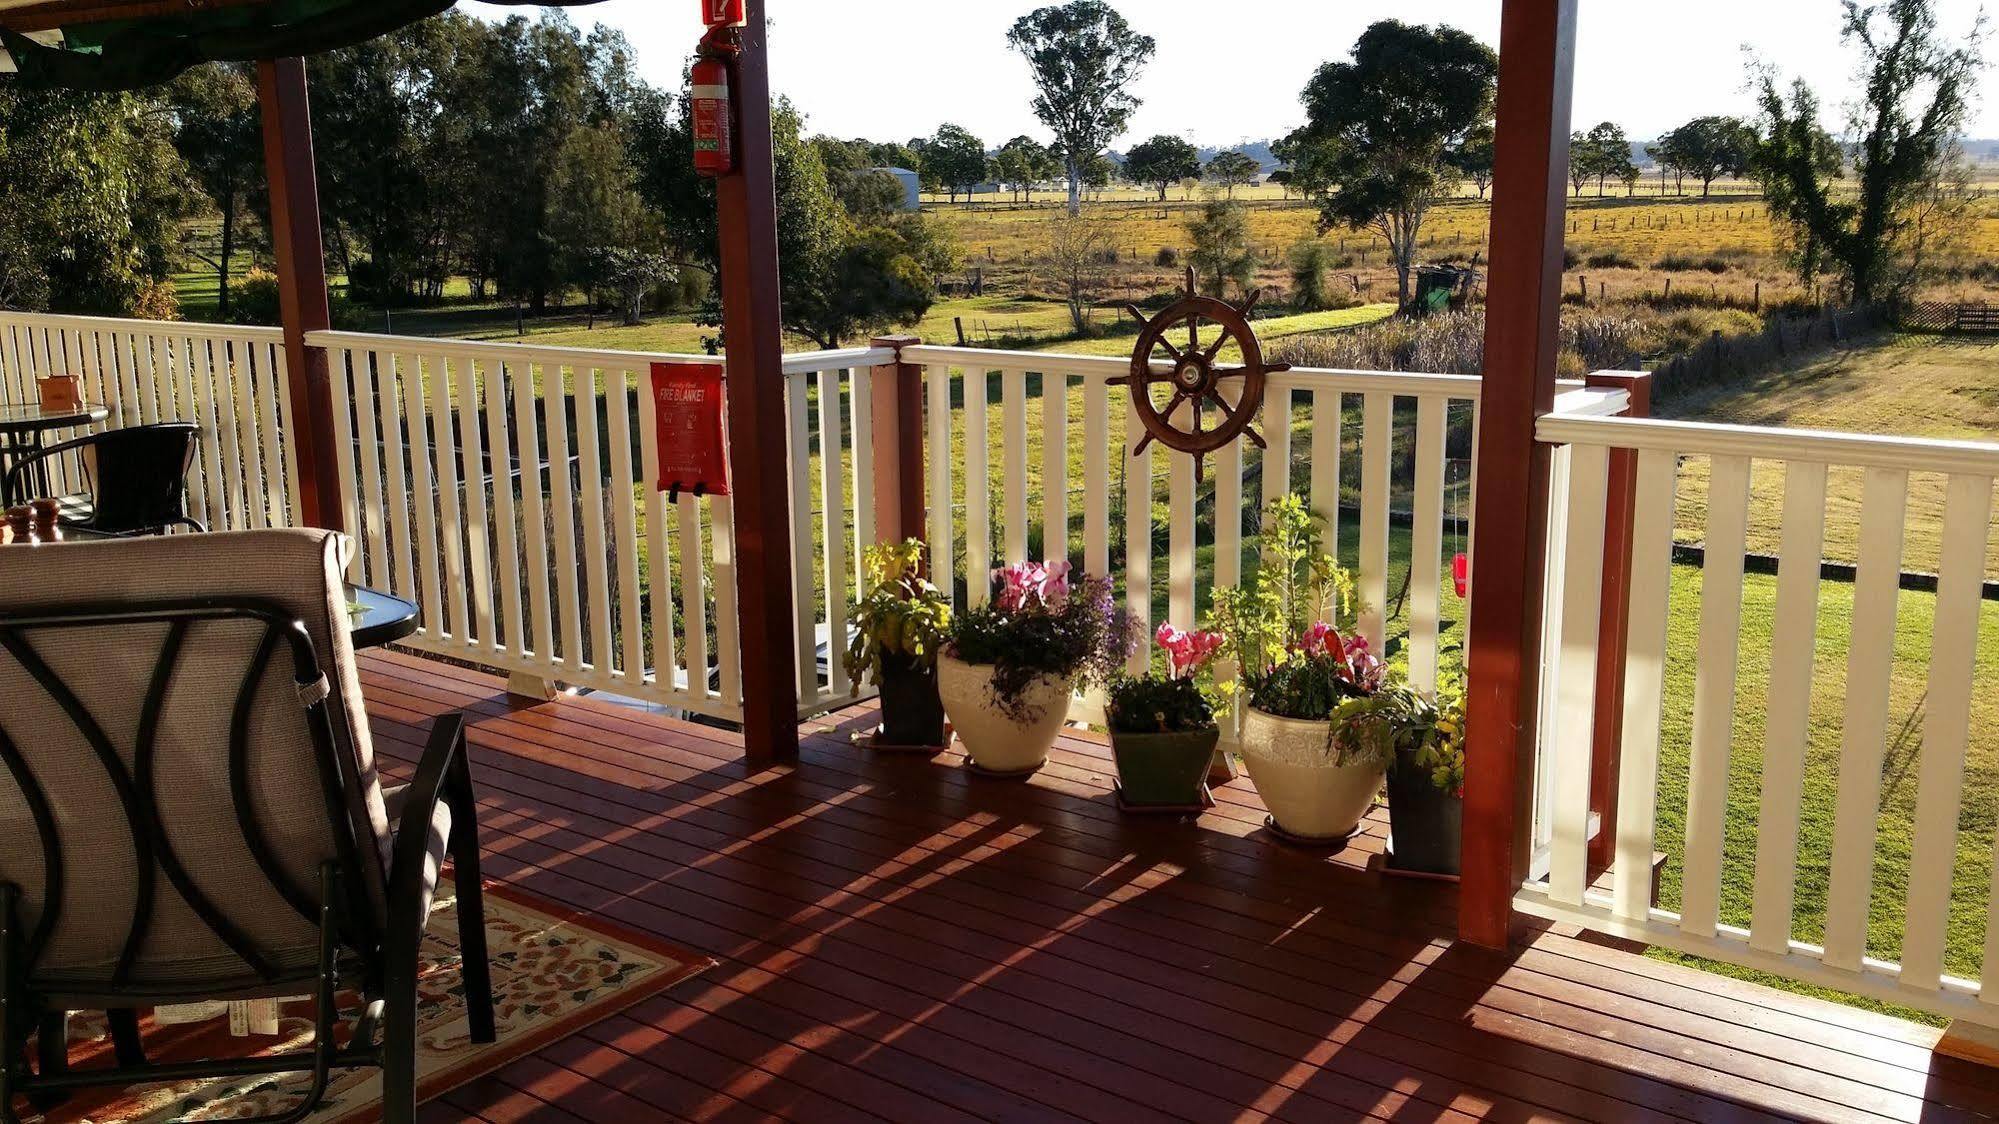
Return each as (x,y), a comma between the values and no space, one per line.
(1426,825)
(1164,770)
(912,714)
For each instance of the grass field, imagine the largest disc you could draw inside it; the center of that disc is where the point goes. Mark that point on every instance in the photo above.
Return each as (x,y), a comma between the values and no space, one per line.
(1910,385)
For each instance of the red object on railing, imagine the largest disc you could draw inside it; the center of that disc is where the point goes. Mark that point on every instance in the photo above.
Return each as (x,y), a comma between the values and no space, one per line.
(687,417)
(1461,574)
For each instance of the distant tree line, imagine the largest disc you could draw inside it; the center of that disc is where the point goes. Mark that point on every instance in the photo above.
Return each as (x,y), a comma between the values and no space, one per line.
(525,157)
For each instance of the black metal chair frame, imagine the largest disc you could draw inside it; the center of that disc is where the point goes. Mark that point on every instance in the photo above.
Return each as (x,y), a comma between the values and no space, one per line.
(350,936)
(37,461)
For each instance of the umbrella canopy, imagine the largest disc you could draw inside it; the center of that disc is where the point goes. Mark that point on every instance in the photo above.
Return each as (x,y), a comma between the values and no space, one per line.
(128,44)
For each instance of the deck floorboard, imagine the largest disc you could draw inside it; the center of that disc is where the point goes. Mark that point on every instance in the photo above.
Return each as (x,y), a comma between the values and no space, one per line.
(899,940)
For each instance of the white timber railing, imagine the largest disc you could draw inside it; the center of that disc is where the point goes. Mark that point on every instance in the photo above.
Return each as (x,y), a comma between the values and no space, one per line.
(829,424)
(506,489)
(1029,456)
(1744,827)
(229,380)
(510,491)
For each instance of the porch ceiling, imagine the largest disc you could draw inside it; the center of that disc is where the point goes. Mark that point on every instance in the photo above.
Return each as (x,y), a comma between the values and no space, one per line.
(128,44)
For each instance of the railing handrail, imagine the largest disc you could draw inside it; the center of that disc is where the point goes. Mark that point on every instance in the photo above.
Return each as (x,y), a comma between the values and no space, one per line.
(1592,402)
(795,363)
(1108,366)
(1816,446)
(252,332)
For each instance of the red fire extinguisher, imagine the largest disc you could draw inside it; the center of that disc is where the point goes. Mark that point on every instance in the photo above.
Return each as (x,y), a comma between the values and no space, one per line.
(714,126)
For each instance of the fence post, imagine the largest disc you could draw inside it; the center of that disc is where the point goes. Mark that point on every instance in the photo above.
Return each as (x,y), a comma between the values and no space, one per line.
(895,395)
(1614,628)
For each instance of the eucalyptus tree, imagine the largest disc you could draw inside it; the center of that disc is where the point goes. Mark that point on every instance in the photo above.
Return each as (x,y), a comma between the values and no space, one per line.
(1375,151)
(1084,58)
(218,132)
(1162,161)
(1917,85)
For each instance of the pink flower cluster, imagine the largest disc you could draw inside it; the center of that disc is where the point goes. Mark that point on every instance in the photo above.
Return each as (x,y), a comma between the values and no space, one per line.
(1359,665)
(1033,585)
(1187,652)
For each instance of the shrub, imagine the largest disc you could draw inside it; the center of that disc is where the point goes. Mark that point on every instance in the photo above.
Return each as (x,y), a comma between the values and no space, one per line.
(255,300)
(1310,259)
(1686,263)
(1609,259)
(1453,343)
(157,301)
(1166,258)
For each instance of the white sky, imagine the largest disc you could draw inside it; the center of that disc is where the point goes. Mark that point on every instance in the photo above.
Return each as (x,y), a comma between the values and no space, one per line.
(1232,71)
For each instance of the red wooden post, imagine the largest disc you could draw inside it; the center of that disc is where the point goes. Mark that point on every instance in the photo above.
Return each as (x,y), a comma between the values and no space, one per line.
(1614,629)
(746,211)
(302,301)
(896,407)
(1522,342)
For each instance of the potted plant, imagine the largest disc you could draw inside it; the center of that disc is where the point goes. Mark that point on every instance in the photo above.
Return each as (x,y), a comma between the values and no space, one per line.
(1306,740)
(1162,727)
(1009,668)
(899,627)
(1426,785)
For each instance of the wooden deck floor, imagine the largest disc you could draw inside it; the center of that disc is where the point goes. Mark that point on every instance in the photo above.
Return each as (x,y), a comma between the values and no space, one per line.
(902,941)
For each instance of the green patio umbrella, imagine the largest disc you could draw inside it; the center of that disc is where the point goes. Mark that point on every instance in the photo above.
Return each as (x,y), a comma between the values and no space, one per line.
(128,44)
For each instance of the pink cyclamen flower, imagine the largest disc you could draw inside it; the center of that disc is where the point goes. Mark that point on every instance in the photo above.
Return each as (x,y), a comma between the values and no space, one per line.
(1187,652)
(1031,585)
(1321,639)
(1364,669)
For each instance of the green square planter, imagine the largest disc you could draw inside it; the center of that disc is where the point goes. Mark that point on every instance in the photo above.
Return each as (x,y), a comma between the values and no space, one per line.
(1164,770)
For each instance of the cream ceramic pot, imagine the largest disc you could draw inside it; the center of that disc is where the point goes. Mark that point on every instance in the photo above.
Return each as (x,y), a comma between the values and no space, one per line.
(1307,794)
(995,740)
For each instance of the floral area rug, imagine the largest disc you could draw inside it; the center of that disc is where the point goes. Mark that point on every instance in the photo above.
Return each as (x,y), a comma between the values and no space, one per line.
(553,973)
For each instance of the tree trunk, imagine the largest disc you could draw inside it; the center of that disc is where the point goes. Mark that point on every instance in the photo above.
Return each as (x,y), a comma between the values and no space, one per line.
(1075,188)
(228,248)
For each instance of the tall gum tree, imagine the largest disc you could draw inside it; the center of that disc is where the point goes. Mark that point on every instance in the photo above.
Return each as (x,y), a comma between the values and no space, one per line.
(1916,86)
(1375,151)
(1084,58)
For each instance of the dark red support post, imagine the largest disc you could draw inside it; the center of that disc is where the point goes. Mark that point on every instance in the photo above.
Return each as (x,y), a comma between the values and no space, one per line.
(896,410)
(1614,629)
(746,203)
(302,301)
(1522,342)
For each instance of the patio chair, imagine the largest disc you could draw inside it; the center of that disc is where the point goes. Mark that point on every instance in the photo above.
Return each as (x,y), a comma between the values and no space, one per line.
(137,478)
(189,811)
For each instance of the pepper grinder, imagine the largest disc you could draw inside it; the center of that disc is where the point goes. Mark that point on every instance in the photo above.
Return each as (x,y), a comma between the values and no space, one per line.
(47,529)
(21,523)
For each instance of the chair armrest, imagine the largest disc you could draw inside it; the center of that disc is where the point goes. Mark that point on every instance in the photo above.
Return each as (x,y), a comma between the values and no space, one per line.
(441,777)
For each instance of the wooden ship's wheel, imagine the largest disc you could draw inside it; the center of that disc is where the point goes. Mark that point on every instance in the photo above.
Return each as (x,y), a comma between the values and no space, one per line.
(1185,396)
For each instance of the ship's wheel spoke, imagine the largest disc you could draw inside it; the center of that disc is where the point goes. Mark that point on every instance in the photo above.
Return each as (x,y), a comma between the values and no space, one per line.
(1178,355)
(1215,348)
